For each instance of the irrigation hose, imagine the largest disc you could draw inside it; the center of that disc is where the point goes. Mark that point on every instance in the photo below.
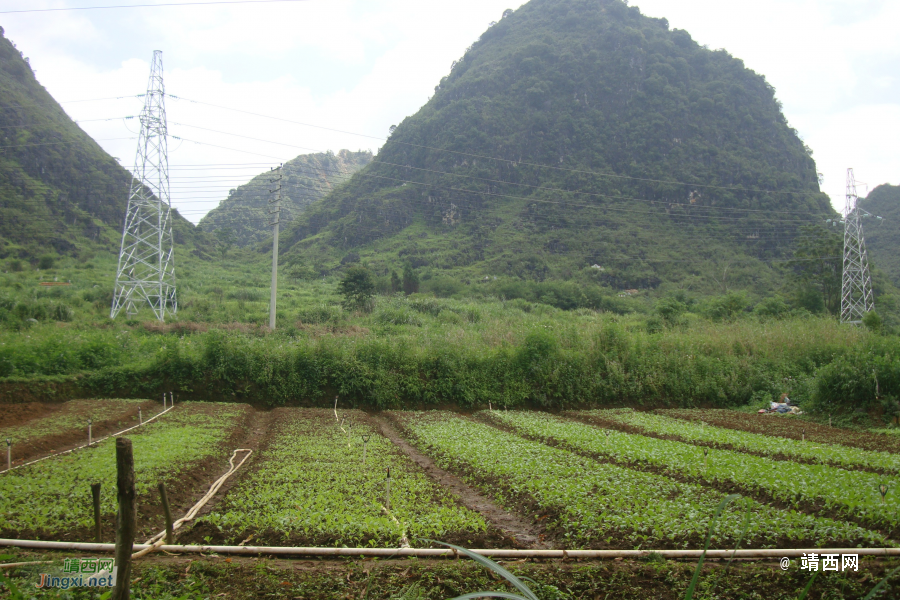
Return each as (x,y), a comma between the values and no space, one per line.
(94,443)
(156,541)
(433,552)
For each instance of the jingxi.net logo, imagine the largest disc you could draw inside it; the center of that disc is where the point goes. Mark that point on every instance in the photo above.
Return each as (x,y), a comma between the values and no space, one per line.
(81,572)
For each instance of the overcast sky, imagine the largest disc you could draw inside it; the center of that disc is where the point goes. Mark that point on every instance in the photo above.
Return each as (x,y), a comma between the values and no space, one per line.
(362,66)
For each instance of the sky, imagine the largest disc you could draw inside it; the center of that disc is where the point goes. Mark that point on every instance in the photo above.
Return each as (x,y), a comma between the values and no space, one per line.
(339,73)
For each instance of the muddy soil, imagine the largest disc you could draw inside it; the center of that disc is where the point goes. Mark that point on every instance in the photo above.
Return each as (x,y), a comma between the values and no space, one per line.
(517,530)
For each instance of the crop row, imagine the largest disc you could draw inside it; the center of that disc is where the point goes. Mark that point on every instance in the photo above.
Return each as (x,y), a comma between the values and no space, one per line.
(604,505)
(73,415)
(53,496)
(312,487)
(753,442)
(850,492)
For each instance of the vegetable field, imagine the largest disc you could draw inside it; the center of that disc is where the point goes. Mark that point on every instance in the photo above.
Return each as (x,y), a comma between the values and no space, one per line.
(582,479)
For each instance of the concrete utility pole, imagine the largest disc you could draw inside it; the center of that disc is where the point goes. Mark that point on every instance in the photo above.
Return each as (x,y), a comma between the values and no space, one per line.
(277,213)
(856,283)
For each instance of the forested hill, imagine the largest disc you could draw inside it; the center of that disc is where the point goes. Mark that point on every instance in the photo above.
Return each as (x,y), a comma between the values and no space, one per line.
(883,236)
(305,179)
(575,133)
(59,190)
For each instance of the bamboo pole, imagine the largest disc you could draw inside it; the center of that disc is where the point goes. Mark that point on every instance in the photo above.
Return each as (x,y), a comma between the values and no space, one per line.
(170,531)
(495,552)
(125,524)
(8,454)
(95,495)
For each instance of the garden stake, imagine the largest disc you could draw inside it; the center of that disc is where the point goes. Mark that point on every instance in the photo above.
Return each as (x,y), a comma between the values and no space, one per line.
(170,531)
(490,408)
(172,398)
(335,408)
(95,496)
(388,503)
(8,454)
(164,401)
(349,429)
(705,458)
(90,437)
(140,416)
(803,433)
(125,523)
(365,443)
(829,420)
(883,489)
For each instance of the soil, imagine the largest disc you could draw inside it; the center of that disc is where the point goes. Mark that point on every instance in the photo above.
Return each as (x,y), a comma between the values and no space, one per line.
(814,508)
(628,428)
(515,529)
(788,426)
(38,447)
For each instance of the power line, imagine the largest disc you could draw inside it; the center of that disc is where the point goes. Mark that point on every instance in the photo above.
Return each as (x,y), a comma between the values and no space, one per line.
(215,2)
(504,160)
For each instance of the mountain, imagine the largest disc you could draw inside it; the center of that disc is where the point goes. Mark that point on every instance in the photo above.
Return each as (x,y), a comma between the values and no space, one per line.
(59,190)
(575,134)
(305,179)
(883,236)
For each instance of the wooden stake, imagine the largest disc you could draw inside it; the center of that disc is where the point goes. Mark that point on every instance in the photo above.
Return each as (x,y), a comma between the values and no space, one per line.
(172,398)
(164,401)
(705,458)
(90,436)
(140,416)
(388,503)
(170,531)
(8,454)
(125,524)
(365,443)
(95,496)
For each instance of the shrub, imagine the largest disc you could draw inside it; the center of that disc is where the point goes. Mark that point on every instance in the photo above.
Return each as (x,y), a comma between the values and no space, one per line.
(357,287)
(46,262)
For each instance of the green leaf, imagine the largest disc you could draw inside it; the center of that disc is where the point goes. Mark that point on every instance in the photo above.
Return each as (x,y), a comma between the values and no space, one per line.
(488,563)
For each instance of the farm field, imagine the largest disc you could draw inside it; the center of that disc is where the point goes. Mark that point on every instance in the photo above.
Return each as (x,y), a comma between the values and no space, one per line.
(822,489)
(310,486)
(184,449)
(39,428)
(574,483)
(787,427)
(743,441)
(591,503)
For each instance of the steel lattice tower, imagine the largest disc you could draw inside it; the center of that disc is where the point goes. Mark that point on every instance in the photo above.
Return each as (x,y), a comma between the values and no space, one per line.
(146,270)
(856,285)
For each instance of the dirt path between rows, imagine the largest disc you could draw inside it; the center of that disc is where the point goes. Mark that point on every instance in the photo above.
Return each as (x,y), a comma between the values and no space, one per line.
(513,526)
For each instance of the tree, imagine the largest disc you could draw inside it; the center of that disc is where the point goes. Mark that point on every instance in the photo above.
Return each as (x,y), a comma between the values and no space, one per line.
(225,239)
(817,267)
(46,262)
(395,282)
(357,287)
(410,280)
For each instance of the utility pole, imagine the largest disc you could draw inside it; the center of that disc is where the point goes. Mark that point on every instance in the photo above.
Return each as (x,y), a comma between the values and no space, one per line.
(146,270)
(277,221)
(856,283)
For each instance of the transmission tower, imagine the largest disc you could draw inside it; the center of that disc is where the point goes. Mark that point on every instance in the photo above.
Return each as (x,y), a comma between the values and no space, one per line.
(856,285)
(146,270)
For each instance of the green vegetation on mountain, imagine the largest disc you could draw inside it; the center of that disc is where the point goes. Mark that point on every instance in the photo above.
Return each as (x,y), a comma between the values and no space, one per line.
(60,192)
(883,236)
(304,180)
(576,133)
